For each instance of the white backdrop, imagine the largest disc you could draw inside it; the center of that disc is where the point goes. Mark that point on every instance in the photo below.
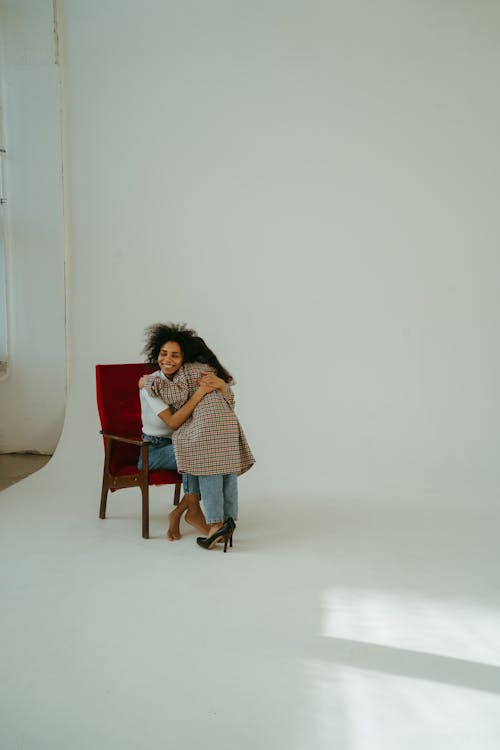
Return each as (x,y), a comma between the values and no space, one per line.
(33,394)
(313,186)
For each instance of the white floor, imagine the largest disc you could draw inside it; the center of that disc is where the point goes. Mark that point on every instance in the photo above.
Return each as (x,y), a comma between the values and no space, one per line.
(327,626)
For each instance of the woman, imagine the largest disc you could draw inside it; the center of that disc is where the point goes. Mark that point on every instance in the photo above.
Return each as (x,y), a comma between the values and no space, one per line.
(210,446)
(158,424)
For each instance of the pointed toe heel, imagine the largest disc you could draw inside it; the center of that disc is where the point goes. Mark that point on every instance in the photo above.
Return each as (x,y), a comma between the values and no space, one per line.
(224,534)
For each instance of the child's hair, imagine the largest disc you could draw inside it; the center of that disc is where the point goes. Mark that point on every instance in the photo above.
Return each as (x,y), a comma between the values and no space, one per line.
(193,347)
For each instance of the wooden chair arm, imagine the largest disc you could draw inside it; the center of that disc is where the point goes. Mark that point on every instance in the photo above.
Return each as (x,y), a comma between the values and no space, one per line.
(122,439)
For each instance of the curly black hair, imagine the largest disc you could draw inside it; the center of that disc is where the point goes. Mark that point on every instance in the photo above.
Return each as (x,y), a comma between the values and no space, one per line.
(192,346)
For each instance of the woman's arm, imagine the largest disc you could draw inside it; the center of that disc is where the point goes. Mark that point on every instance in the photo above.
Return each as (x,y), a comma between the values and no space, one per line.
(206,383)
(210,378)
(176,418)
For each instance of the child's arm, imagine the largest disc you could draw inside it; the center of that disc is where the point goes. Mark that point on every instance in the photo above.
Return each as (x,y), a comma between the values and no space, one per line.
(174,394)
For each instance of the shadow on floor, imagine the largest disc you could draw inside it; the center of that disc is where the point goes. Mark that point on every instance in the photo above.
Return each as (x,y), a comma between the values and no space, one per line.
(17,466)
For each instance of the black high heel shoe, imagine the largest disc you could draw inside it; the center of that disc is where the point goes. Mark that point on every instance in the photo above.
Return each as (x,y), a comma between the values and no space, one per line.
(231,524)
(225,534)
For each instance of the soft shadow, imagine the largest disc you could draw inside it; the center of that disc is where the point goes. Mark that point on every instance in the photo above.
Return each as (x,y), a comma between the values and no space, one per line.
(415,664)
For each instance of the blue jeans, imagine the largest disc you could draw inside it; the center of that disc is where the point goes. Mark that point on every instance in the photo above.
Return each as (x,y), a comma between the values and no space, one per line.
(219,495)
(161,453)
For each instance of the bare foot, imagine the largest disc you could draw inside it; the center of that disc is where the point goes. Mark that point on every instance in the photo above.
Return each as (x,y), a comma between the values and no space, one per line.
(195,517)
(174,519)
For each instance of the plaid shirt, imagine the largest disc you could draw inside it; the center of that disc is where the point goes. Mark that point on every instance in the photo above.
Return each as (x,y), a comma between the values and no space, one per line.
(211,441)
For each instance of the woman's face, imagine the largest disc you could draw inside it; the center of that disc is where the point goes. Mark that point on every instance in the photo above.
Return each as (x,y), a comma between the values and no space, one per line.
(170,358)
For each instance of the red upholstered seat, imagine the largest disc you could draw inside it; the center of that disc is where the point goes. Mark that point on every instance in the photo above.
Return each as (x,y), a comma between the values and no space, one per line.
(119,409)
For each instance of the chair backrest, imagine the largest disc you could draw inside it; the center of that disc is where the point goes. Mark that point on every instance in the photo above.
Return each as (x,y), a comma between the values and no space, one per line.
(119,405)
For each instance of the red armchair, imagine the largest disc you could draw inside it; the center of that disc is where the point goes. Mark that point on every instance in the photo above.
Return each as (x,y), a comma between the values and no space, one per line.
(119,409)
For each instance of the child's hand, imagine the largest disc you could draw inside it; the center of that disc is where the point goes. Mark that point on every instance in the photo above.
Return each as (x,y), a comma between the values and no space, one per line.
(142,381)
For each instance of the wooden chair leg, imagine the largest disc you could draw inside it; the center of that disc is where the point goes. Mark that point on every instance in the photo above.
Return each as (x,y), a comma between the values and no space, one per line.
(177,494)
(145,512)
(108,442)
(144,485)
(104,498)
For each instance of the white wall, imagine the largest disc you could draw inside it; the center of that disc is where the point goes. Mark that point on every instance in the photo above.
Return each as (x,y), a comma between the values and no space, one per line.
(32,397)
(314,187)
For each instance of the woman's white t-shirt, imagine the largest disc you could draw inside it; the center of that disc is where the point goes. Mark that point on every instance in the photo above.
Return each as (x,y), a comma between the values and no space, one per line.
(150,408)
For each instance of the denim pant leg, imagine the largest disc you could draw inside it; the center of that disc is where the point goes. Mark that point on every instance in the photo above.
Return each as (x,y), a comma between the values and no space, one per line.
(190,484)
(230,496)
(161,456)
(219,495)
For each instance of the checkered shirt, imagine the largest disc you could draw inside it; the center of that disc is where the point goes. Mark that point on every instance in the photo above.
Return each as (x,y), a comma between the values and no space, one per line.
(211,441)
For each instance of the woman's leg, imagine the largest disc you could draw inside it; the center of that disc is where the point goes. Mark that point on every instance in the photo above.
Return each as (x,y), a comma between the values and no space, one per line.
(162,456)
(189,503)
(194,515)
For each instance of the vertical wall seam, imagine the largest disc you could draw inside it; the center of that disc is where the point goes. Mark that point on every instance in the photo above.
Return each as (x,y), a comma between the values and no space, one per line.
(65,220)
